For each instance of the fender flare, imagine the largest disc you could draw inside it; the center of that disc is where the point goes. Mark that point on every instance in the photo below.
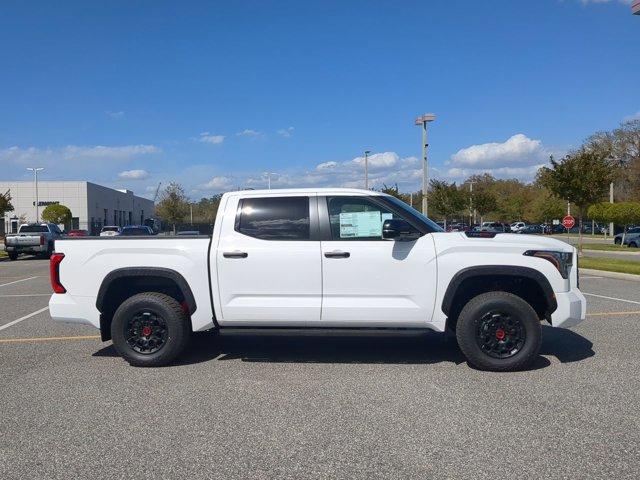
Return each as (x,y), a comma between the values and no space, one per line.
(502,270)
(146,272)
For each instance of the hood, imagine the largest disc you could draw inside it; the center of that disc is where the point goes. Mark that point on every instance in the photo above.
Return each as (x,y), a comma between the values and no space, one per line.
(503,241)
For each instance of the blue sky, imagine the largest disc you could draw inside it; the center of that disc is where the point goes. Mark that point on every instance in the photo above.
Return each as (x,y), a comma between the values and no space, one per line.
(213,94)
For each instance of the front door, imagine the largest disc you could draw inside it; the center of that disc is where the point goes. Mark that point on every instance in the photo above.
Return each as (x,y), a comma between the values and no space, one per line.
(268,261)
(369,281)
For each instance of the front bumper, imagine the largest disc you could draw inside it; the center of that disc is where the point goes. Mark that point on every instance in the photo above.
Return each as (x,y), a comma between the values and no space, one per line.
(572,309)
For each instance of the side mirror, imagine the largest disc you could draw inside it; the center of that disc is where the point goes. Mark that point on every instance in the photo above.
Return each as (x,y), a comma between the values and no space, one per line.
(396,229)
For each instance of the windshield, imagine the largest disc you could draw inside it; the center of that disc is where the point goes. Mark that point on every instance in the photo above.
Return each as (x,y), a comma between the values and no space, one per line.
(430,224)
(109,229)
(34,229)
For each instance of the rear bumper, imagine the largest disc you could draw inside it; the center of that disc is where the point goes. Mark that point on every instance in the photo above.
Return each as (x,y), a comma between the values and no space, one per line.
(73,309)
(572,309)
(26,248)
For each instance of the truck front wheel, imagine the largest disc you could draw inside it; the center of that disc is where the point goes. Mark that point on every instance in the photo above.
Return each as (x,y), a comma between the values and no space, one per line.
(150,330)
(499,331)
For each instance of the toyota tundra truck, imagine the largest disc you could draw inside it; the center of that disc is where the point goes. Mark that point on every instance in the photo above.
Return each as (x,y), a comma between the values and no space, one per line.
(319,259)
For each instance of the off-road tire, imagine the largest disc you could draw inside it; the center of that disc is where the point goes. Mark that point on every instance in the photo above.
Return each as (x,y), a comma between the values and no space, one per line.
(176,323)
(633,245)
(617,241)
(12,255)
(469,325)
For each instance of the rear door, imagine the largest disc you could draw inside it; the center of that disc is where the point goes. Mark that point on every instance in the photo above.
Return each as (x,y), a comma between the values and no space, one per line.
(369,281)
(268,261)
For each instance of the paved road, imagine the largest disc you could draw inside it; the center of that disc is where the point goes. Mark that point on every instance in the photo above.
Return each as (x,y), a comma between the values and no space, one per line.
(311,406)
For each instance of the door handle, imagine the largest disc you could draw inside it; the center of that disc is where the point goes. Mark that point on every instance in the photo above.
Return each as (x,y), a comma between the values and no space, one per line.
(236,254)
(337,254)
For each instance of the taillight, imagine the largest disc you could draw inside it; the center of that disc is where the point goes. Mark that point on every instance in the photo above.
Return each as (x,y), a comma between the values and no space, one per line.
(41,239)
(54,273)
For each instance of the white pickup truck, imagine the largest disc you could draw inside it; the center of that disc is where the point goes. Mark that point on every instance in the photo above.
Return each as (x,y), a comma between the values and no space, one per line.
(319,258)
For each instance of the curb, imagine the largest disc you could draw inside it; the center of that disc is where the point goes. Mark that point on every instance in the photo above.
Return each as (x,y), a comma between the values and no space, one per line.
(624,254)
(604,273)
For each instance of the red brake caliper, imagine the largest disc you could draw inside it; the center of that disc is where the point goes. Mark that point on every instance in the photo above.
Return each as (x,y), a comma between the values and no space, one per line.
(146,331)
(500,334)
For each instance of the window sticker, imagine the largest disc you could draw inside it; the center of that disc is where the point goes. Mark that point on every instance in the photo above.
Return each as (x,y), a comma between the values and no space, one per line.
(360,224)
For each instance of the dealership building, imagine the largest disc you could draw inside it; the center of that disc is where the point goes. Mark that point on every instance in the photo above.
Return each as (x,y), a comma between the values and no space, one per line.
(91,205)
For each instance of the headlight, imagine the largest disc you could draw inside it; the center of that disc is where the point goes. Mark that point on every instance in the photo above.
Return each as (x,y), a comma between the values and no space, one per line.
(561,260)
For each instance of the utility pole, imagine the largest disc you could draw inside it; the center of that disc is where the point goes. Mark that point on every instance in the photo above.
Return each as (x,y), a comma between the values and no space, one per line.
(366,169)
(35,171)
(471,209)
(422,121)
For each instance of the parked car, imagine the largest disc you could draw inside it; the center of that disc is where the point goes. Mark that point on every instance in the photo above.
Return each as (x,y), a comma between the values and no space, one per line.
(110,231)
(78,233)
(496,227)
(34,238)
(320,258)
(517,226)
(136,230)
(631,231)
(188,232)
(531,229)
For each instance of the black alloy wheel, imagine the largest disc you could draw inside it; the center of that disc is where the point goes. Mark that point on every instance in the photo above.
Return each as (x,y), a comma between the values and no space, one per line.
(146,332)
(500,335)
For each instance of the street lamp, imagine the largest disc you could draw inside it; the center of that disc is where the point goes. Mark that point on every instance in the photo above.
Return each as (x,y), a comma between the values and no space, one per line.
(366,169)
(35,171)
(423,120)
(268,174)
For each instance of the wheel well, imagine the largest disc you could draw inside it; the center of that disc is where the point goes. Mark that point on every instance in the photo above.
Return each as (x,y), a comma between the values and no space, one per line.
(526,288)
(119,289)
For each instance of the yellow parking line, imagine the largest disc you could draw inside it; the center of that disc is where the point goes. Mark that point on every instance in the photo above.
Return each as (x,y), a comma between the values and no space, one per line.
(602,314)
(48,339)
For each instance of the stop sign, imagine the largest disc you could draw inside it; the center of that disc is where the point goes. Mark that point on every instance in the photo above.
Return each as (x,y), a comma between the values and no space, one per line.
(568,222)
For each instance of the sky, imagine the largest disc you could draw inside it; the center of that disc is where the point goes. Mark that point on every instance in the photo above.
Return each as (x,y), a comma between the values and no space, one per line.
(214,94)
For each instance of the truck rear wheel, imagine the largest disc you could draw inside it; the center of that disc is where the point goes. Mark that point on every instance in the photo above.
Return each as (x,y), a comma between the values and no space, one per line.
(150,330)
(499,331)
(13,255)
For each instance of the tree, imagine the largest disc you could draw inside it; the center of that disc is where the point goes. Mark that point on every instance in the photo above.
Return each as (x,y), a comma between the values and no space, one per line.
(483,202)
(623,213)
(394,192)
(5,203)
(58,214)
(206,209)
(581,178)
(545,207)
(173,205)
(446,199)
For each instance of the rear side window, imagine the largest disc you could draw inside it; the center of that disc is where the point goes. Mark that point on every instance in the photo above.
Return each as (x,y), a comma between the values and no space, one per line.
(274,218)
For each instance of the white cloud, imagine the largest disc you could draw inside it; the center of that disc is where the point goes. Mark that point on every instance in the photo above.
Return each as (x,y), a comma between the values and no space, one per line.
(635,116)
(326,166)
(117,114)
(133,175)
(378,160)
(207,137)
(217,184)
(73,154)
(286,132)
(517,150)
(250,133)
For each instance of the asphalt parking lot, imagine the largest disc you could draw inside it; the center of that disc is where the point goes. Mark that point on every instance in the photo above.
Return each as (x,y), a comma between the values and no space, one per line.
(315,406)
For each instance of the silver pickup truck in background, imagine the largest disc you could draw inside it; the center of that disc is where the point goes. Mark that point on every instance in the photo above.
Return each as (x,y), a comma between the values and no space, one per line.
(32,238)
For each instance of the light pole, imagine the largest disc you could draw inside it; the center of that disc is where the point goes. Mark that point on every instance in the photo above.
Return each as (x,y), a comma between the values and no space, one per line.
(471,209)
(35,171)
(366,169)
(423,120)
(268,174)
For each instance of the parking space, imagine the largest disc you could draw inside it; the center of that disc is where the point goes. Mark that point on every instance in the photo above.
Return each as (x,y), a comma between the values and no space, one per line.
(284,405)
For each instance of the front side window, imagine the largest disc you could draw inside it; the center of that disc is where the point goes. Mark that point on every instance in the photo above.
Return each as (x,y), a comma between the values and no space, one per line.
(357,218)
(274,218)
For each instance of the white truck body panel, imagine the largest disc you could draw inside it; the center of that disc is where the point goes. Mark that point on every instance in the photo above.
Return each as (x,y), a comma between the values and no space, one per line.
(292,283)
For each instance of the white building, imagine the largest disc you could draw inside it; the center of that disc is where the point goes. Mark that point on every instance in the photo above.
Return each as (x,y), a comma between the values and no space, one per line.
(91,205)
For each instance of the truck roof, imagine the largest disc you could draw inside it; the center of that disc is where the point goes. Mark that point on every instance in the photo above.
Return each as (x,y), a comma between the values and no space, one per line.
(321,191)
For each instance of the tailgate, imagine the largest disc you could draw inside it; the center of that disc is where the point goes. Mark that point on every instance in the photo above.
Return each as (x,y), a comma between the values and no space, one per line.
(24,240)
